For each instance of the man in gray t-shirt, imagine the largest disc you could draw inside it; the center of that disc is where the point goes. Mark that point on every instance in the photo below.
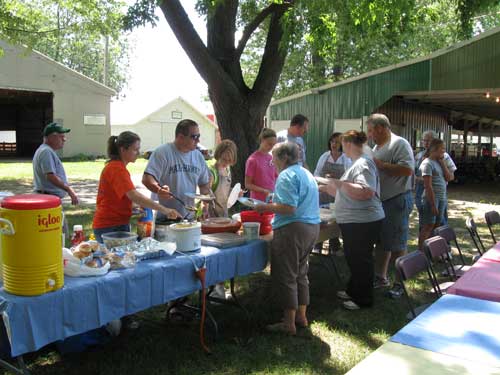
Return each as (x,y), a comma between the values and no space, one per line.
(294,134)
(393,156)
(49,176)
(395,163)
(178,168)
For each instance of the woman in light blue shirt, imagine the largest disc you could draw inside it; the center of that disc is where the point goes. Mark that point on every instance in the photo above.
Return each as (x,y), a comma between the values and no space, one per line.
(296,229)
(359,213)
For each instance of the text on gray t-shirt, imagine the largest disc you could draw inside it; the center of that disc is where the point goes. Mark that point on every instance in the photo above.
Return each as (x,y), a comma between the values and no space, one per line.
(183,172)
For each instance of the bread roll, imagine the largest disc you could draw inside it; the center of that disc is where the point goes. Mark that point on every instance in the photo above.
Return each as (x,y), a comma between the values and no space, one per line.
(94,245)
(80,254)
(84,247)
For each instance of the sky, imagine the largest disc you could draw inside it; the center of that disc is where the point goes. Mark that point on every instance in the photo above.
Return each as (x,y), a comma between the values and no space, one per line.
(160,71)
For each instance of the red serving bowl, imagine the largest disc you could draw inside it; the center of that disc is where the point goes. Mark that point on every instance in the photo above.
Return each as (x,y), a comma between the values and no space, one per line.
(219,225)
(264,219)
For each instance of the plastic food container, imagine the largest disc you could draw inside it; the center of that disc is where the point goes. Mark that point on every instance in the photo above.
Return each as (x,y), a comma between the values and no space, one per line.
(265,219)
(251,230)
(187,236)
(115,239)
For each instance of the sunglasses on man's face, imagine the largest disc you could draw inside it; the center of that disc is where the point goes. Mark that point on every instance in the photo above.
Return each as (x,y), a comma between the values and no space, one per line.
(195,137)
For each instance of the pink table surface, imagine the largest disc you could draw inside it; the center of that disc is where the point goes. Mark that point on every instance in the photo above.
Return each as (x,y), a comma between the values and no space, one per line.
(493,254)
(481,281)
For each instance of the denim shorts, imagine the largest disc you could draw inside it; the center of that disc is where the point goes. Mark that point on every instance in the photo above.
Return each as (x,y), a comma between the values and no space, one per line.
(426,215)
(395,225)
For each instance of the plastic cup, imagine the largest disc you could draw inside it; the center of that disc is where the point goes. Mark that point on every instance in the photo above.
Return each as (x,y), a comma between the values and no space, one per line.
(251,230)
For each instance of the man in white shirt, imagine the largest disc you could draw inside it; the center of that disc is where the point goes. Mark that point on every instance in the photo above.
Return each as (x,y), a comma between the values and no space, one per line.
(295,133)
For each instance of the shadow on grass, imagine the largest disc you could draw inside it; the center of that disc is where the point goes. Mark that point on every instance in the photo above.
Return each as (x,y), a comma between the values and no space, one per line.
(158,347)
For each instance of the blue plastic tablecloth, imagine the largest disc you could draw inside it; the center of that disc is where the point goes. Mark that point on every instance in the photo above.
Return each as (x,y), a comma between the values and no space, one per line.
(459,326)
(88,303)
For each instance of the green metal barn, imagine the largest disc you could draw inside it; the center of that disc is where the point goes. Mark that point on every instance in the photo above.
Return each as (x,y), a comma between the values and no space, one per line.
(454,89)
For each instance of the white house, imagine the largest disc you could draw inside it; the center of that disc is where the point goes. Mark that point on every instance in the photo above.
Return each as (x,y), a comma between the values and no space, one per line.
(36,90)
(158,127)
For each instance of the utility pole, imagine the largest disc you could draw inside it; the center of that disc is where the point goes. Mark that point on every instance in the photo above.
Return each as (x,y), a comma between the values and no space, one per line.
(106,60)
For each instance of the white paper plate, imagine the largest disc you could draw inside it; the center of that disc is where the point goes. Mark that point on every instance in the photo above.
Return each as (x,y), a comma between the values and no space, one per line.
(234,195)
(250,202)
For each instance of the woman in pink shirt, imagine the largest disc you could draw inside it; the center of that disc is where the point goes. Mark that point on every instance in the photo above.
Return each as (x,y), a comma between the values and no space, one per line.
(260,173)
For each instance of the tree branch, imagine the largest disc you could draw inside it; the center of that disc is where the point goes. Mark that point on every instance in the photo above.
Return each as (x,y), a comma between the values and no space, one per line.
(272,62)
(252,26)
(207,66)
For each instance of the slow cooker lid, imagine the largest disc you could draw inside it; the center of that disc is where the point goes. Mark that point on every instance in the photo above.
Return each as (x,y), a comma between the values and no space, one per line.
(31,202)
(183,226)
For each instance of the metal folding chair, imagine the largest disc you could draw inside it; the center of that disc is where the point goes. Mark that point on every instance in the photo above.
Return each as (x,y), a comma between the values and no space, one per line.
(478,244)
(492,218)
(407,267)
(437,248)
(450,236)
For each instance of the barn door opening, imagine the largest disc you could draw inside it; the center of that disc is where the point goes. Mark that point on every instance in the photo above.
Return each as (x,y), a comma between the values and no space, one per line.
(23,116)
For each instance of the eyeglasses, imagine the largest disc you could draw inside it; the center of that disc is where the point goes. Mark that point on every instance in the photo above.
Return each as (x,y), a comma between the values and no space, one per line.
(195,137)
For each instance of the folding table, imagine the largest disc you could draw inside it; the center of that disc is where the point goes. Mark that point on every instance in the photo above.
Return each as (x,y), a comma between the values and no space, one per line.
(397,359)
(87,303)
(482,280)
(457,326)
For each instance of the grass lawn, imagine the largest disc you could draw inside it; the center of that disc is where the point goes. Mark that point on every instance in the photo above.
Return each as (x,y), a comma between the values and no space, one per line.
(338,339)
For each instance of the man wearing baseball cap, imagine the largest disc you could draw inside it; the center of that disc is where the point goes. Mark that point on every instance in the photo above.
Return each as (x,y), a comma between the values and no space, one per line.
(48,171)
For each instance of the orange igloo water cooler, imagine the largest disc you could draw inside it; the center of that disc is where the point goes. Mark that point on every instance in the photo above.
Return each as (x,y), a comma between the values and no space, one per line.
(32,253)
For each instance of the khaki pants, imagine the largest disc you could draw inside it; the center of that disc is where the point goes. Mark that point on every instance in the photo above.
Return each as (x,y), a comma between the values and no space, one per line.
(290,250)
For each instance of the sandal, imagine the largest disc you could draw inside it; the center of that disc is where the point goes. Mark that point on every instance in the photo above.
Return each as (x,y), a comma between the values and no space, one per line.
(280,328)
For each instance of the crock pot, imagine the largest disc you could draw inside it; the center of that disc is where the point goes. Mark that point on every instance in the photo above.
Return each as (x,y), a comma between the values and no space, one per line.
(187,235)
(162,230)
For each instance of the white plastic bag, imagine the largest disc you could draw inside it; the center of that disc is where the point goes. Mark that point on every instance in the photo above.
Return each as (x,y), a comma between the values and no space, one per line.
(74,267)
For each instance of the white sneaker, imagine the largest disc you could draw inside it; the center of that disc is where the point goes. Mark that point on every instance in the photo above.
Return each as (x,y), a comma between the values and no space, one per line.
(219,291)
(114,327)
(343,295)
(350,305)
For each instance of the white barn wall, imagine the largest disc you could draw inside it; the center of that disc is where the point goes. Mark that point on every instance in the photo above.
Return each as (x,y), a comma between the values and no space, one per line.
(74,96)
(159,127)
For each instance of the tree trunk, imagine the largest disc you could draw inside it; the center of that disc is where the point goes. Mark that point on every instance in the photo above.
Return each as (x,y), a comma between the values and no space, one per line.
(239,109)
(241,123)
